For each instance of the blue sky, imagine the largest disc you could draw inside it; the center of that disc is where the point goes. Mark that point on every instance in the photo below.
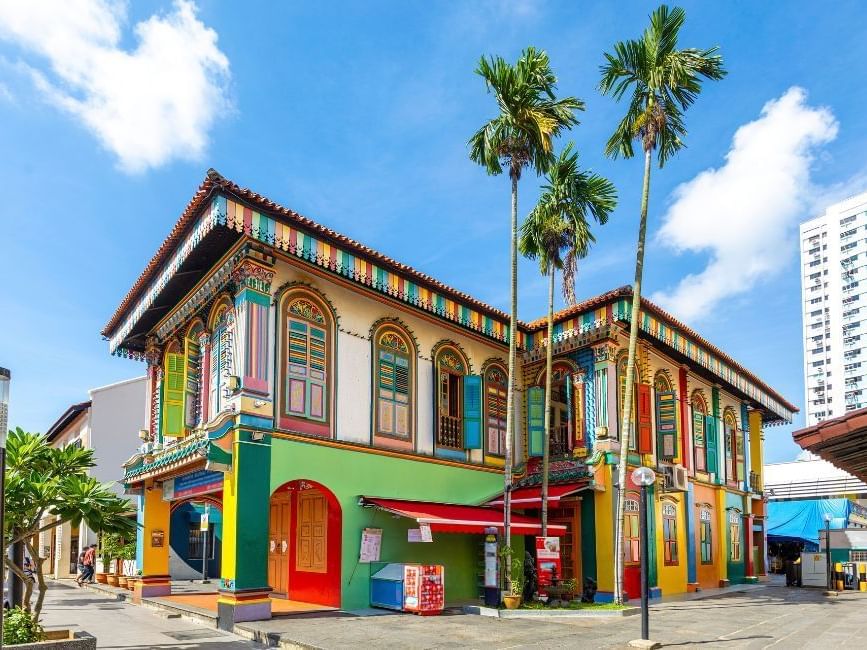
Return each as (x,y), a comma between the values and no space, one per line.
(357,115)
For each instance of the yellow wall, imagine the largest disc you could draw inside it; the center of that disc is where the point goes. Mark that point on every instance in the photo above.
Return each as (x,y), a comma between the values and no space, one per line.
(671,579)
(228,566)
(721,558)
(155,559)
(604,519)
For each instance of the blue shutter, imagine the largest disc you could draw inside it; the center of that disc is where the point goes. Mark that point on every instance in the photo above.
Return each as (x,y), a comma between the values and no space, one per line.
(666,424)
(536,420)
(473,412)
(711,446)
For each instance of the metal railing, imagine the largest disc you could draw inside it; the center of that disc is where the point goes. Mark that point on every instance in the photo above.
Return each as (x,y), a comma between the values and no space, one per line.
(450,432)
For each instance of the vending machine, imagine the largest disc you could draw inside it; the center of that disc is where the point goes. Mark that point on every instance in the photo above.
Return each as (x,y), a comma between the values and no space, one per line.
(418,588)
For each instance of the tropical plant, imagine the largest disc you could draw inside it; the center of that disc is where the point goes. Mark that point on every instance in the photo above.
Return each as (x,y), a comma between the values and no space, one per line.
(557,225)
(522,135)
(515,570)
(21,626)
(662,82)
(48,486)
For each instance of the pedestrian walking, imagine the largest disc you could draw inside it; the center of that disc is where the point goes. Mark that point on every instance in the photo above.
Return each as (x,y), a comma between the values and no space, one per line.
(82,569)
(89,561)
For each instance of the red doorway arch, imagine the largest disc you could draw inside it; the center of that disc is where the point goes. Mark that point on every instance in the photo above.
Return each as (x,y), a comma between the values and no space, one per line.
(315,539)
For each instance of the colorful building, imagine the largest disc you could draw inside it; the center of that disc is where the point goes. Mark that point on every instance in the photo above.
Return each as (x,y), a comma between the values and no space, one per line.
(310,388)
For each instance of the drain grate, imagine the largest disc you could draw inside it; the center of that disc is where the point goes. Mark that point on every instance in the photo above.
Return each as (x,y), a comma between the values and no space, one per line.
(192,635)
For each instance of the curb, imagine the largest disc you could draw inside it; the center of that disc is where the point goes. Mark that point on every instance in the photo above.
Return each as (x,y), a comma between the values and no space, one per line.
(271,639)
(553,613)
(159,608)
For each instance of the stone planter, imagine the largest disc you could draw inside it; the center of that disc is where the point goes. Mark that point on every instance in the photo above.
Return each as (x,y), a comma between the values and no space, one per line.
(61,640)
(102,578)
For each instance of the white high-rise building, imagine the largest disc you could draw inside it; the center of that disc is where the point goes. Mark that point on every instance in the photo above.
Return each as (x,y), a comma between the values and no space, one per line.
(834,293)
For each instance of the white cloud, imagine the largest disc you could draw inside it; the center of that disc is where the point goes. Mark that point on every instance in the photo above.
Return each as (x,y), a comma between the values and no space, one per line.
(745,212)
(147,105)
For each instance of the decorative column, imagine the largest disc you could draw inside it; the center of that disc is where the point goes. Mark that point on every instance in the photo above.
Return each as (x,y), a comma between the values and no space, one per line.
(685,420)
(244,590)
(757,460)
(154,357)
(715,439)
(252,278)
(605,393)
(205,378)
(155,579)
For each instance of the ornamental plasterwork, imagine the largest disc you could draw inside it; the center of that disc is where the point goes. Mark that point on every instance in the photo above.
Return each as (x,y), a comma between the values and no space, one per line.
(252,275)
(604,352)
(496,375)
(449,360)
(394,341)
(206,292)
(306,310)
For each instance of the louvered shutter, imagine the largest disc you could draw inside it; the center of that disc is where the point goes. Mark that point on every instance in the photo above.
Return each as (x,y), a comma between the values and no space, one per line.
(173,393)
(712,448)
(645,426)
(472,412)
(666,424)
(536,420)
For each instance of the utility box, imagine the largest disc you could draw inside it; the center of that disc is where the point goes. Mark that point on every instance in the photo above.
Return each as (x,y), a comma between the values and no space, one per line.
(814,571)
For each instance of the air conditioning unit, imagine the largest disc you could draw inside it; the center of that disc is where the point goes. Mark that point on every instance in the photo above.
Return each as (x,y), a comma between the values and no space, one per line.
(675,478)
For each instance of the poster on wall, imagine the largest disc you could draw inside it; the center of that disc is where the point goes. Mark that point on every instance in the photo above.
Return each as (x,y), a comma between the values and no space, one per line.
(371,544)
(547,561)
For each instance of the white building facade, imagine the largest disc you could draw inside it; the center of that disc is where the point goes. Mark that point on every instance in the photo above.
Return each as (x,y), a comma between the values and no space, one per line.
(108,423)
(834,309)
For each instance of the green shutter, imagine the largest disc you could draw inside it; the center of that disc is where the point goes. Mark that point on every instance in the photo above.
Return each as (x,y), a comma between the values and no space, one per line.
(666,424)
(536,420)
(473,412)
(711,442)
(173,404)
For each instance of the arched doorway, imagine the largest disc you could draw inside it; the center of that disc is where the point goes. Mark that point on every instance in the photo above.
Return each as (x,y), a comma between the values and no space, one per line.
(187,540)
(305,531)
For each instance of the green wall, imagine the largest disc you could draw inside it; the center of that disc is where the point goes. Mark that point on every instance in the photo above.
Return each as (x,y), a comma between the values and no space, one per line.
(736,570)
(350,474)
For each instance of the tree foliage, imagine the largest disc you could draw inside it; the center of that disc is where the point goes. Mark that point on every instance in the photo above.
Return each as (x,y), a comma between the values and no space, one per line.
(47,486)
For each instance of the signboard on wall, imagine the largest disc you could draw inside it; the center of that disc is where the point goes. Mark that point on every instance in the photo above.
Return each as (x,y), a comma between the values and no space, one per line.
(547,561)
(192,484)
(371,544)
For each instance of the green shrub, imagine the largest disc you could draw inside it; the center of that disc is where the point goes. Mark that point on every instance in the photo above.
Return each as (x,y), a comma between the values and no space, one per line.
(20,626)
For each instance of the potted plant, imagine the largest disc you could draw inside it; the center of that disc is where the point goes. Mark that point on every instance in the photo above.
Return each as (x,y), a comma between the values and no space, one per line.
(127,557)
(109,551)
(515,588)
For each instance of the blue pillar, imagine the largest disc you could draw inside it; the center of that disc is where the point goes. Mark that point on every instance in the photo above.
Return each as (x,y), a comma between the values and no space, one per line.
(745,425)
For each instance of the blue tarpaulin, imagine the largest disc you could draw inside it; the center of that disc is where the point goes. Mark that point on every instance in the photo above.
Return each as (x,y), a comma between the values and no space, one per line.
(801,521)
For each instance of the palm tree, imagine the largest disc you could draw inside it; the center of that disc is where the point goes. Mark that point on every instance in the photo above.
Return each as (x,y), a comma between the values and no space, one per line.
(663,82)
(522,135)
(556,225)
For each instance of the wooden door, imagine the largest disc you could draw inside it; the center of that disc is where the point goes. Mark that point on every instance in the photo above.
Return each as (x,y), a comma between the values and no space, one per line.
(312,545)
(278,542)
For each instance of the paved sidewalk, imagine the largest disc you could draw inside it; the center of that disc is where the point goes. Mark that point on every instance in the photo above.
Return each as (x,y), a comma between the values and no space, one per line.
(118,624)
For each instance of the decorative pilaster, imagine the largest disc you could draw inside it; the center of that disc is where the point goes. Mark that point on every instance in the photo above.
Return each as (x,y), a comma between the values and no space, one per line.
(243,592)
(155,579)
(205,381)
(252,278)
(605,394)
(685,420)
(153,356)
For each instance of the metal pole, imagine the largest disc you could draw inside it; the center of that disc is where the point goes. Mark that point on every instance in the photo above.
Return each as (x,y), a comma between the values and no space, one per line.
(205,557)
(828,552)
(645,546)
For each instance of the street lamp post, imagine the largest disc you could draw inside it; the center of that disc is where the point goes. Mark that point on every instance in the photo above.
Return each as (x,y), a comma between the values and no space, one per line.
(644,477)
(5,378)
(827,517)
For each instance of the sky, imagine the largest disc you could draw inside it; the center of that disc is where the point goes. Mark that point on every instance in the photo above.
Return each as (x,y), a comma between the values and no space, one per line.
(357,116)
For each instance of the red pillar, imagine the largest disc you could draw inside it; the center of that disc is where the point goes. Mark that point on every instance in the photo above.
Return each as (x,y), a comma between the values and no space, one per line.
(748,538)
(684,418)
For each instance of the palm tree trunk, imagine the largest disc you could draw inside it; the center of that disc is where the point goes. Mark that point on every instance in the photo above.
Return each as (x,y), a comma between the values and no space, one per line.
(549,362)
(510,390)
(628,389)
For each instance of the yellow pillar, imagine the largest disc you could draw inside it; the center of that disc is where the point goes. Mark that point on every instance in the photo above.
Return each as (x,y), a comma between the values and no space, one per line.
(155,579)
(757,459)
(604,515)
(723,523)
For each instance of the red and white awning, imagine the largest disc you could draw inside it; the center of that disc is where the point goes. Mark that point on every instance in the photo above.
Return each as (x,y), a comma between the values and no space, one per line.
(457,518)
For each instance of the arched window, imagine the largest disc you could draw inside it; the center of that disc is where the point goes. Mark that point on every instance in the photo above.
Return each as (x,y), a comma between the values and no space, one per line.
(730,432)
(306,368)
(735,535)
(631,531)
(699,430)
(496,383)
(705,519)
(666,416)
(394,383)
(222,361)
(451,369)
(566,411)
(193,375)
(669,533)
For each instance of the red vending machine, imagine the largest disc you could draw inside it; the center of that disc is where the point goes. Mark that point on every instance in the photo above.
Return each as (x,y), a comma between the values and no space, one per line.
(424,589)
